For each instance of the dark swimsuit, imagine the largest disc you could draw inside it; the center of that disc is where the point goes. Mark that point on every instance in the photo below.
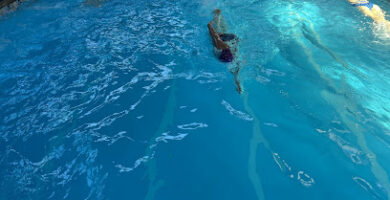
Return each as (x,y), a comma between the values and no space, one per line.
(368,5)
(226,54)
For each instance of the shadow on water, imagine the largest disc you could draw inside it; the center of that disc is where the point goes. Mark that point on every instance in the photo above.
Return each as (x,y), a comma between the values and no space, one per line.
(166,122)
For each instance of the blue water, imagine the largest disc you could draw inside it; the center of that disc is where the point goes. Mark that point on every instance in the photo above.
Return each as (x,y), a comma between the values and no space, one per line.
(126,101)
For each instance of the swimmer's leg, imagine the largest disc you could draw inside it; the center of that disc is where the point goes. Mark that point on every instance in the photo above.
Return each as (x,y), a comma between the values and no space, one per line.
(235,71)
(238,84)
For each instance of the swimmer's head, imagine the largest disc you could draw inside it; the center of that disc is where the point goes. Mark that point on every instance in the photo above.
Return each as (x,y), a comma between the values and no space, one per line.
(217,12)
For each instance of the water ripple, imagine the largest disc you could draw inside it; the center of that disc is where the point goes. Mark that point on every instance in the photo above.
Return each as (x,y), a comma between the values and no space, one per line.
(304,178)
(237,113)
(192,126)
(73,72)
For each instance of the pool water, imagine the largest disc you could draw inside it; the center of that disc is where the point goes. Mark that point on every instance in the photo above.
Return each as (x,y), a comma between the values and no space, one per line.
(126,100)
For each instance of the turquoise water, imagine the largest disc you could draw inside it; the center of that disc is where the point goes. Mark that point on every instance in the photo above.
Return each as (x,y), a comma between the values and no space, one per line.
(127,101)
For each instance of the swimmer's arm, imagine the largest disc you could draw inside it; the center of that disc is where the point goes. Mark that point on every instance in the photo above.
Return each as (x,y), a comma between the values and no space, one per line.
(218,43)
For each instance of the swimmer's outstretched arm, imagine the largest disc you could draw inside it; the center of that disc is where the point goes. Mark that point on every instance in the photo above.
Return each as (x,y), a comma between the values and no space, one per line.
(218,43)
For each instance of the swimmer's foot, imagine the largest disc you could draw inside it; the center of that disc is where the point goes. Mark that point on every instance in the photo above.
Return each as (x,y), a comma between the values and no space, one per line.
(238,87)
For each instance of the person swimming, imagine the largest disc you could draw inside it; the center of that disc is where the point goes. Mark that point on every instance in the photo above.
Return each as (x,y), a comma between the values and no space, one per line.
(371,10)
(225,44)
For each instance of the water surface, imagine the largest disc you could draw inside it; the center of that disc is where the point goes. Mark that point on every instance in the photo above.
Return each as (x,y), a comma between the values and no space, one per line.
(127,101)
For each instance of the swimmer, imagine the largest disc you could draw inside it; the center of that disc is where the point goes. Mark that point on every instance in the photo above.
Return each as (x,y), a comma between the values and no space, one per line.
(225,44)
(371,10)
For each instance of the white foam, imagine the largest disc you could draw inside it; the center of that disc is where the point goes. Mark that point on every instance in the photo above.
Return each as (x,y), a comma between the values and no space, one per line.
(235,112)
(192,126)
